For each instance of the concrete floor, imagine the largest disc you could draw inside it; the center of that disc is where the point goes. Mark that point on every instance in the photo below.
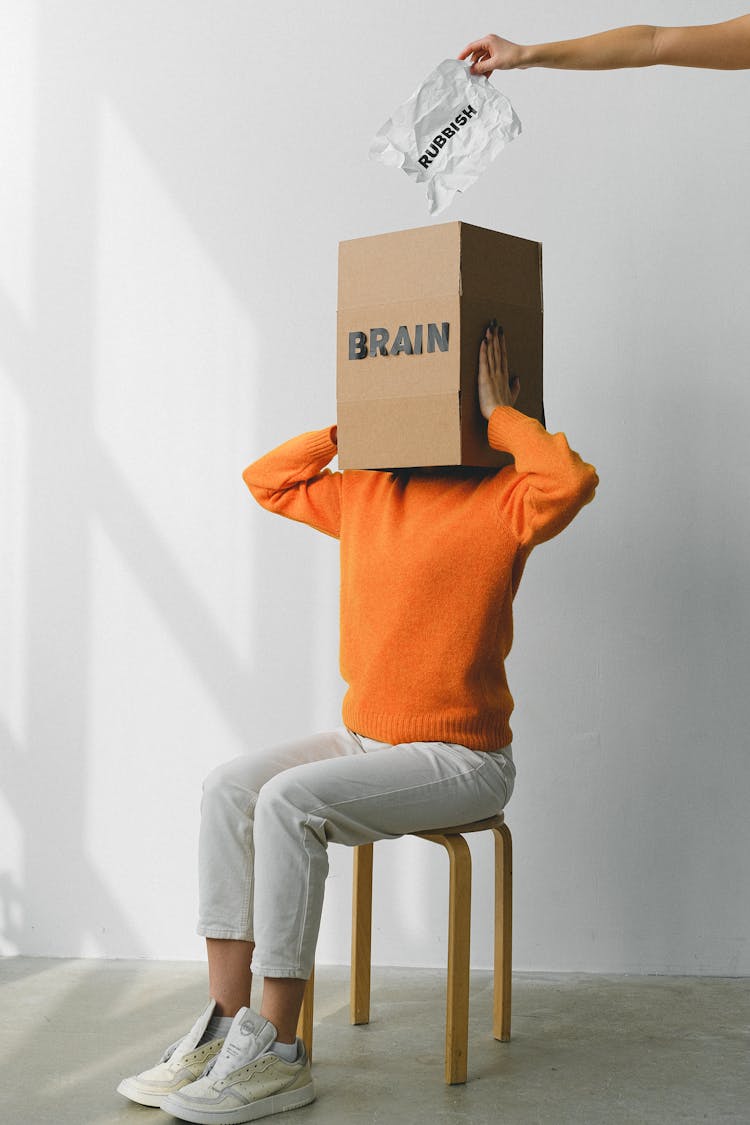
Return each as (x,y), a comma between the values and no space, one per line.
(586,1050)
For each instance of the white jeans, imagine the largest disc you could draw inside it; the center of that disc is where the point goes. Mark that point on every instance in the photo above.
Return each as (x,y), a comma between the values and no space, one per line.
(267,818)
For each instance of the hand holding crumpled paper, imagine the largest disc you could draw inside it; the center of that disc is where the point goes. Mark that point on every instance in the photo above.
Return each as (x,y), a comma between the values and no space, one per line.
(448,132)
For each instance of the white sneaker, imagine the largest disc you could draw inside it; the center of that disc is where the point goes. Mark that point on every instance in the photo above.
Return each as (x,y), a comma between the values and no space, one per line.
(246,1080)
(180,1064)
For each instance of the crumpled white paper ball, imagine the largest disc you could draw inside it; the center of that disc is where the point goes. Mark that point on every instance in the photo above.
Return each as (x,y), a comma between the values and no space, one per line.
(449,130)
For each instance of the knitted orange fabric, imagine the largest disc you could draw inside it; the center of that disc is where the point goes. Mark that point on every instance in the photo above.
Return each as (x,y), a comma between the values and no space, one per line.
(430,563)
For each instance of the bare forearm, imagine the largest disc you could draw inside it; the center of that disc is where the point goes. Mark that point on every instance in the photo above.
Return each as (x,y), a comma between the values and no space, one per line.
(621,47)
(720,46)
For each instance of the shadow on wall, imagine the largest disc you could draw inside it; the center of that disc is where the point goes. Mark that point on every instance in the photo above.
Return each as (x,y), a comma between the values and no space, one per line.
(197,143)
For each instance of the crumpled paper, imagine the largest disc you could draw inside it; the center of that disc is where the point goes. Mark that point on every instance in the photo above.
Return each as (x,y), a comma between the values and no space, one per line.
(446,134)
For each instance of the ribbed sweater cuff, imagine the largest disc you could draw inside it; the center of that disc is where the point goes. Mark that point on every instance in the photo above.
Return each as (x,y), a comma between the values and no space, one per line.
(508,429)
(321,444)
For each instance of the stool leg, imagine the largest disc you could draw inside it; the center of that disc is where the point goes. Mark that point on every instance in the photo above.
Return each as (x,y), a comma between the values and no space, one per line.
(503,932)
(459,942)
(305,1021)
(361,934)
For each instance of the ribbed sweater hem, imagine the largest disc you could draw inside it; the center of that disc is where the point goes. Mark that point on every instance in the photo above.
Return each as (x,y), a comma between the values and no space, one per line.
(489,731)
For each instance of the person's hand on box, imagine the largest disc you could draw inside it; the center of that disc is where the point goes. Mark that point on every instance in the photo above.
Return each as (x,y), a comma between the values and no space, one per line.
(494,381)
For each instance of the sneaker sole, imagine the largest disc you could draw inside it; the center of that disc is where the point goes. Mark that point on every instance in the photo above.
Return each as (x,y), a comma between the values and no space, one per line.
(264,1107)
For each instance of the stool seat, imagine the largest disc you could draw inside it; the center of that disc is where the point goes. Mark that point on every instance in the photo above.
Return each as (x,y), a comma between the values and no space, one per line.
(459,924)
(462,829)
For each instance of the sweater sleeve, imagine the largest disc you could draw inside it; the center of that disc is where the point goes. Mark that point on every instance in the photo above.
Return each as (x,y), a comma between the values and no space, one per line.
(549,484)
(292,480)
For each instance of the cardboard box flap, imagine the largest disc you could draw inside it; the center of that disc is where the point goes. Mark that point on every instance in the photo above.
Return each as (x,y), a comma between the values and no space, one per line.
(397,380)
(424,433)
(388,268)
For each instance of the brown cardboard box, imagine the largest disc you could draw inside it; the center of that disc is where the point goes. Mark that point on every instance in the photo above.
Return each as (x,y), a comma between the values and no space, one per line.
(412,307)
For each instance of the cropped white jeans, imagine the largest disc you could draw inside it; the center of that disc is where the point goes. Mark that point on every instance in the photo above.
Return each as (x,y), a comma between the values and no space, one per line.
(267,819)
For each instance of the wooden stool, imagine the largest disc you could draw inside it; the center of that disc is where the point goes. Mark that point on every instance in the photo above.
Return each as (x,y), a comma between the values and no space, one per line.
(459,928)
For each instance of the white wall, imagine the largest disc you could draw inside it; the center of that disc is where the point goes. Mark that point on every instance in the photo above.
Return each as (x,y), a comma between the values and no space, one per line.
(175,179)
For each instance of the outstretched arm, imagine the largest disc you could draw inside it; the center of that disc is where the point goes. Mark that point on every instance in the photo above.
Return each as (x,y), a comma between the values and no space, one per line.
(718,46)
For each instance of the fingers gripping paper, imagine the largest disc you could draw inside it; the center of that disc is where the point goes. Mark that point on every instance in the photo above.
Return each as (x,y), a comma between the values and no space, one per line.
(448,132)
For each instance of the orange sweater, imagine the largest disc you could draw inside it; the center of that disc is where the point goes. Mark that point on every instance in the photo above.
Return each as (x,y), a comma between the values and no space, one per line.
(430,564)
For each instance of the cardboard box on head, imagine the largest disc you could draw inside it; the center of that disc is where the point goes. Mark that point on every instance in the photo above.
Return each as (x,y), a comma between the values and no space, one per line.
(412,307)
